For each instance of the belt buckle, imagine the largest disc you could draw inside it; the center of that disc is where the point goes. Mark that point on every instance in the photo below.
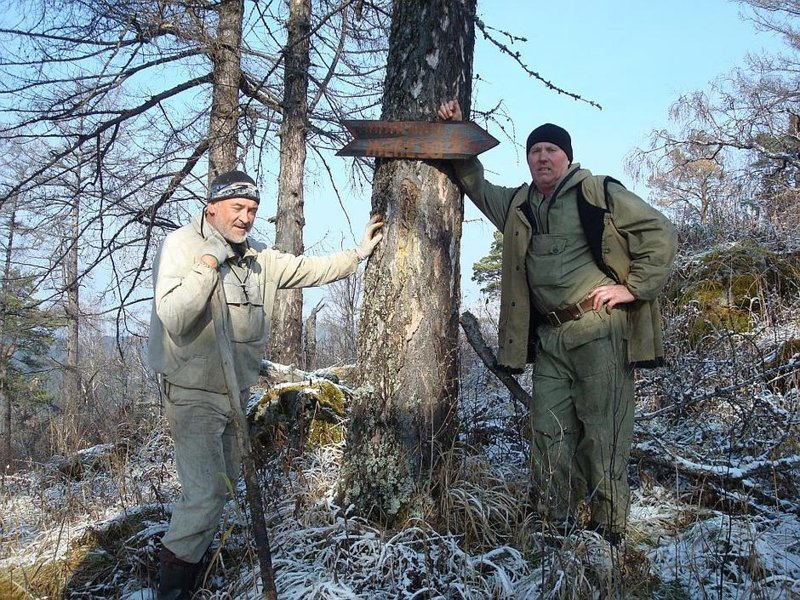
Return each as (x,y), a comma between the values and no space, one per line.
(576,312)
(554,319)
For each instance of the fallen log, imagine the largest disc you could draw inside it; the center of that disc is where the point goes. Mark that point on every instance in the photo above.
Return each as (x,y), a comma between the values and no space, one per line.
(733,483)
(276,373)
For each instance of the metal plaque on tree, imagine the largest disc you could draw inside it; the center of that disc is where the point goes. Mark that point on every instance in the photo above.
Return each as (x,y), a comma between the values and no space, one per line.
(417,139)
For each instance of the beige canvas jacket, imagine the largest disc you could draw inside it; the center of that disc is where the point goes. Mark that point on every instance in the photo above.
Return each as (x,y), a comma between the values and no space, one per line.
(182,345)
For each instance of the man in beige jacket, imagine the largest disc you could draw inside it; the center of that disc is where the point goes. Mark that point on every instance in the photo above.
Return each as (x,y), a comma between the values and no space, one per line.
(185,353)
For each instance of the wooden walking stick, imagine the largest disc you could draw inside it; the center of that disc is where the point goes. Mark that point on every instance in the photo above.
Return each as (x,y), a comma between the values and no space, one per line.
(219,312)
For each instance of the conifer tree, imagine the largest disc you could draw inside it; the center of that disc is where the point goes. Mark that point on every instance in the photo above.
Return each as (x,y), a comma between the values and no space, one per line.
(486,271)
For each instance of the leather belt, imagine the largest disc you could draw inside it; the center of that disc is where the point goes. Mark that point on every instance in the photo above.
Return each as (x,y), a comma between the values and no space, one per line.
(571,313)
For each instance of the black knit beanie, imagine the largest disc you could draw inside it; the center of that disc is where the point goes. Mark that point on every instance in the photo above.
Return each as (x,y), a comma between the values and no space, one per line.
(553,134)
(233,184)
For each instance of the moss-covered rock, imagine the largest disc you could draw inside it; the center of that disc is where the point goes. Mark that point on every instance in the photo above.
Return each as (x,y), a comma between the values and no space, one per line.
(730,287)
(300,416)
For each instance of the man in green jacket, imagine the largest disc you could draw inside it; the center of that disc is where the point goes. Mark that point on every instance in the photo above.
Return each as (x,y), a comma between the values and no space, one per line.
(185,353)
(583,262)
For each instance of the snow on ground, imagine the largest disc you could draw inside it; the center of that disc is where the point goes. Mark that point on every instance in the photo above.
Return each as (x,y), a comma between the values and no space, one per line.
(492,548)
(322,553)
(722,556)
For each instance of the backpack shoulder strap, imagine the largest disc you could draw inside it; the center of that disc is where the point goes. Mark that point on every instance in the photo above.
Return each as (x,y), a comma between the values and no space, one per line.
(589,191)
(594,208)
(606,197)
(591,213)
(525,206)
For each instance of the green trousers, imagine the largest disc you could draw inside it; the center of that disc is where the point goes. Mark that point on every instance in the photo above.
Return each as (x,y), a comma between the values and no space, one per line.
(207,456)
(582,419)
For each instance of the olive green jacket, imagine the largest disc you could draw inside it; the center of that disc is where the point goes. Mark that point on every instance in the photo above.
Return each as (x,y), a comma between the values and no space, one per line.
(182,346)
(635,245)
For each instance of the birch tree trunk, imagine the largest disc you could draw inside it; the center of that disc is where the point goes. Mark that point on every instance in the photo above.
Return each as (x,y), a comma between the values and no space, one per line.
(287,316)
(225,52)
(409,326)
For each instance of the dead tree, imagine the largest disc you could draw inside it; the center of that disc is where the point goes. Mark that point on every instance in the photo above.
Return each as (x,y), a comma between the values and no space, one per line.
(310,336)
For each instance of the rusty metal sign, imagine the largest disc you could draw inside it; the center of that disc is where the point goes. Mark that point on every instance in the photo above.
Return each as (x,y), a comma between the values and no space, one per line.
(439,140)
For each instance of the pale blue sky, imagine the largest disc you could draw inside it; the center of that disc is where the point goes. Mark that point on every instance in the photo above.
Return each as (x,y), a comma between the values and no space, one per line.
(633,57)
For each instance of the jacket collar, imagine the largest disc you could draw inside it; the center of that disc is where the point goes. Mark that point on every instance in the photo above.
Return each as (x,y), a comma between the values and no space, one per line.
(204,229)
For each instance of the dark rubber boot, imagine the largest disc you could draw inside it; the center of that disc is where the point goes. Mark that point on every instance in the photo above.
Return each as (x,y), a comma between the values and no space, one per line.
(177,578)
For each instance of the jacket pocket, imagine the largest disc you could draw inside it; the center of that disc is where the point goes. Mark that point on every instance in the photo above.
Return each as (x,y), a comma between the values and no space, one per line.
(191,373)
(246,308)
(548,260)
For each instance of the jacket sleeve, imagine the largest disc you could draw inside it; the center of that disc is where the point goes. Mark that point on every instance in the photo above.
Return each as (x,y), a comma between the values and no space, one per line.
(492,200)
(290,271)
(183,287)
(652,242)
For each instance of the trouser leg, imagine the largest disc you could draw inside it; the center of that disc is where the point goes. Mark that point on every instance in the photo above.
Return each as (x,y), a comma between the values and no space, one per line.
(604,404)
(557,483)
(206,452)
(604,450)
(582,418)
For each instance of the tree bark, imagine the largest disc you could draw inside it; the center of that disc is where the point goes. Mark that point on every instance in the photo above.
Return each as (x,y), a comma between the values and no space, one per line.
(6,456)
(287,317)
(72,373)
(226,58)
(408,343)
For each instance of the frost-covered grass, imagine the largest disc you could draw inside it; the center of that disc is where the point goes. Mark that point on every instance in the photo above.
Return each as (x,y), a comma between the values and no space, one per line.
(726,556)
(714,511)
(490,547)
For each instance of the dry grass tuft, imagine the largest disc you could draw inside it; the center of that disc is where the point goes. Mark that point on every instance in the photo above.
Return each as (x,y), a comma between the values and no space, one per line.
(481,504)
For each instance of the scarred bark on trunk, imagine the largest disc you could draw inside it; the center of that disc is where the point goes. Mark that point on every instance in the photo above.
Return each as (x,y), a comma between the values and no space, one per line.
(287,317)
(409,326)
(227,59)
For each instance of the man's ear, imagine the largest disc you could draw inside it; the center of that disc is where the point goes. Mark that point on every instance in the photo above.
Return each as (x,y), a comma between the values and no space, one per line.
(211,209)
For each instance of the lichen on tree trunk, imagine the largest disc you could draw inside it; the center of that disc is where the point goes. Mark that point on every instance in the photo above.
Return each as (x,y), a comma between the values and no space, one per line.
(407,351)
